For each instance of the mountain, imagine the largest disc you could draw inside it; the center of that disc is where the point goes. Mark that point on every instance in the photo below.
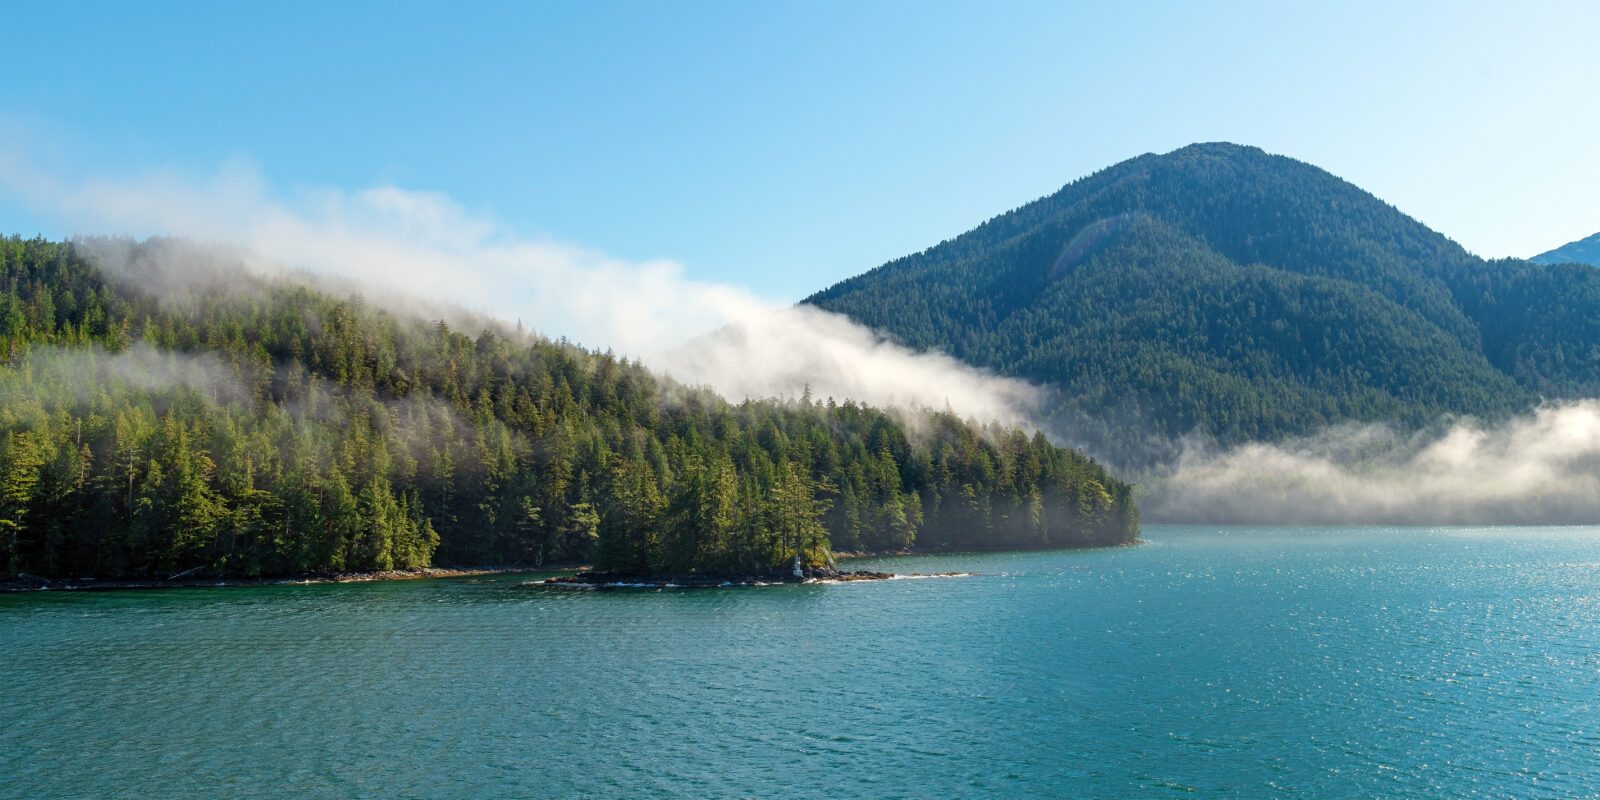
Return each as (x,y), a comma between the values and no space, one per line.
(177,414)
(1222,291)
(1583,251)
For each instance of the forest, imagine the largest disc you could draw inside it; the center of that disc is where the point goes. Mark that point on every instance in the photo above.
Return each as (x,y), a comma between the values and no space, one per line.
(1221,292)
(1583,251)
(254,425)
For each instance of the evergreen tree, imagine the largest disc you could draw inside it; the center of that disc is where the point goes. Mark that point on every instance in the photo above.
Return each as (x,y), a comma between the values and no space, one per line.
(294,431)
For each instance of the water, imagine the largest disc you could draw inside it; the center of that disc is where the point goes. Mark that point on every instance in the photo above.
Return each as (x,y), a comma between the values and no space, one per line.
(1244,662)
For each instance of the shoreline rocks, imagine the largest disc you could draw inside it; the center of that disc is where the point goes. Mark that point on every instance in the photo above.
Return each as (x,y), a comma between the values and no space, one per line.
(617,580)
(34,583)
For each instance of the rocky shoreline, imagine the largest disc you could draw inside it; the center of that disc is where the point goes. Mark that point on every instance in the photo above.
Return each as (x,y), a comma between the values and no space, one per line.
(582,579)
(618,580)
(34,583)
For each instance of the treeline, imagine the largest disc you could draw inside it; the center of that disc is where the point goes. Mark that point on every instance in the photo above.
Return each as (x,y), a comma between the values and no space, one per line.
(1583,251)
(263,427)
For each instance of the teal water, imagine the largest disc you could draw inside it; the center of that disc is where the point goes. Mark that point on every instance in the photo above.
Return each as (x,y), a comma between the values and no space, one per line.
(1243,662)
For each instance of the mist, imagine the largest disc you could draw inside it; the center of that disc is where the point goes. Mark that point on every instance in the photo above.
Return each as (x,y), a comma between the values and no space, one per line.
(84,373)
(422,253)
(783,352)
(1543,468)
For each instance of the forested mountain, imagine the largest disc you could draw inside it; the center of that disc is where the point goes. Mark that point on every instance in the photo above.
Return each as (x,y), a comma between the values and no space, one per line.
(241,425)
(1583,251)
(1224,291)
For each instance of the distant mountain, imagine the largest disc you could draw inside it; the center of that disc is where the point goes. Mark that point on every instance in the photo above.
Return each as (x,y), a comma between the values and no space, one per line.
(1223,291)
(1583,251)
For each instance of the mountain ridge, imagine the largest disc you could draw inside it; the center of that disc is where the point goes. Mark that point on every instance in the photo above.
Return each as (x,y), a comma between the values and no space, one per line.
(1221,291)
(1582,251)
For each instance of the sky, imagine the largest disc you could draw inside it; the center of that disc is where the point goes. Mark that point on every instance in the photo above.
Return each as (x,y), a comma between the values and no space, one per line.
(778,148)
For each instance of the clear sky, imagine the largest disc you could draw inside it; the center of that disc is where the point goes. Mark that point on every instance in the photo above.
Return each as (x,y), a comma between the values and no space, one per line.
(782,147)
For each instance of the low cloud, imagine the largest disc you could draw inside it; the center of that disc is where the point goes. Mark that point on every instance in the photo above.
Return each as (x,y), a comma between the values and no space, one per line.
(406,248)
(785,351)
(85,373)
(1542,468)
(421,252)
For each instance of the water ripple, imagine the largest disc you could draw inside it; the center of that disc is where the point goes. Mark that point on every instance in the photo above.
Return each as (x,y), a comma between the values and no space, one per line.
(1213,662)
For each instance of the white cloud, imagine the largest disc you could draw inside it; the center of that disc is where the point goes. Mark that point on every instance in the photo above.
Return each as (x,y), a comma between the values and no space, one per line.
(396,243)
(1544,467)
(399,243)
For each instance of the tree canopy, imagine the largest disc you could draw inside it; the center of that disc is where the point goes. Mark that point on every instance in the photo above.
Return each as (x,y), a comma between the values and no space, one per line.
(1222,291)
(252,426)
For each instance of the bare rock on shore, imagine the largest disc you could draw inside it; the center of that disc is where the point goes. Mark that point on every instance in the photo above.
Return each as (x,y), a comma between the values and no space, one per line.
(618,580)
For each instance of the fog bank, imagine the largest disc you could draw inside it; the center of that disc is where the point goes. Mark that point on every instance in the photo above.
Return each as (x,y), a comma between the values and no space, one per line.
(1540,468)
(419,252)
(422,253)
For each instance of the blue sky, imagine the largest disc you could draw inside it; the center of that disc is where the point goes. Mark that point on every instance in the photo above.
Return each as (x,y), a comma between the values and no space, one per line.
(784,147)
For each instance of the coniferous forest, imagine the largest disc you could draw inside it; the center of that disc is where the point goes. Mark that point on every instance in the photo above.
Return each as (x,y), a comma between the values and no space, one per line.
(1222,291)
(1583,251)
(262,426)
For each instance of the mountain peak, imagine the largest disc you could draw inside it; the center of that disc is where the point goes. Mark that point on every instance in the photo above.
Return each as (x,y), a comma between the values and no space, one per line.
(1219,149)
(1224,290)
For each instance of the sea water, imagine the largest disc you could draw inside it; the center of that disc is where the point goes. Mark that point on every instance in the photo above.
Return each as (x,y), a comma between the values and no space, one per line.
(1212,662)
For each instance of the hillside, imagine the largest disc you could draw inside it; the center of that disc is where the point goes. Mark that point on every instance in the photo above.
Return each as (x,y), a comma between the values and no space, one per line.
(232,424)
(1222,291)
(1583,251)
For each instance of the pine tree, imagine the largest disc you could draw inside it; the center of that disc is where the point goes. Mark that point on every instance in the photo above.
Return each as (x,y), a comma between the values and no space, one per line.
(21,458)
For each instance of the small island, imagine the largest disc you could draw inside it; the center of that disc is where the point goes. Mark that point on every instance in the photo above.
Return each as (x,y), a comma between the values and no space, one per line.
(797,573)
